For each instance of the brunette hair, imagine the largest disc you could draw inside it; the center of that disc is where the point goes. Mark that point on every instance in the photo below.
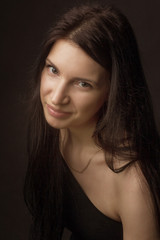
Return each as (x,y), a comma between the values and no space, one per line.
(126,125)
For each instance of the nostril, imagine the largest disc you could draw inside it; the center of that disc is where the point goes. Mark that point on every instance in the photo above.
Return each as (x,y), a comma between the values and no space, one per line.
(66,100)
(59,99)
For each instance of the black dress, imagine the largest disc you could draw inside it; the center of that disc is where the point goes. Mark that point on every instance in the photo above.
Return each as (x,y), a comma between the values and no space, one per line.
(82,218)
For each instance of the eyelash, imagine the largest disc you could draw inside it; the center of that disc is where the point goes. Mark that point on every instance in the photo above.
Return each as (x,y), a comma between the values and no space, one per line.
(88,85)
(50,67)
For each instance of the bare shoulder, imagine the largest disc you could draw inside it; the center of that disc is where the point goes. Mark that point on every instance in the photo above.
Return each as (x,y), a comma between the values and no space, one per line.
(135,206)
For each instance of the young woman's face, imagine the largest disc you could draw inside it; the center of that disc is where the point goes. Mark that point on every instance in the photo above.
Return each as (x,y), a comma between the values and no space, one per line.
(73,87)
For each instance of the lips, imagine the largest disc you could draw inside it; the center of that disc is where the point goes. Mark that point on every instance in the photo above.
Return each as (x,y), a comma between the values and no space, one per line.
(57,113)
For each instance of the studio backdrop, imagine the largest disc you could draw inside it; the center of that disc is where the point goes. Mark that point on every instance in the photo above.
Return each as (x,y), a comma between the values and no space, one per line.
(24,25)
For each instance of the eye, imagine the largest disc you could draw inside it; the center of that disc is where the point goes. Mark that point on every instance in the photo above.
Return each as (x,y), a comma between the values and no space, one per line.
(51,69)
(84,85)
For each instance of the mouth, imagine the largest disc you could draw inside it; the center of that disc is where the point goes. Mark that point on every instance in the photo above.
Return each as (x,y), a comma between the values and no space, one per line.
(57,113)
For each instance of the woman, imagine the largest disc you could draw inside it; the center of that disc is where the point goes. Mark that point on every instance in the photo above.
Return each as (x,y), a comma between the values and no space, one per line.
(93,144)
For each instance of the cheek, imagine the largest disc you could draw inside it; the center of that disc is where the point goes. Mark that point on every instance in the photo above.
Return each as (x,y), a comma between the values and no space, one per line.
(42,89)
(45,87)
(91,105)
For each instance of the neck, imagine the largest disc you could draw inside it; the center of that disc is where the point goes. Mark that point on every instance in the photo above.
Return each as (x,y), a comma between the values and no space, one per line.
(79,137)
(78,147)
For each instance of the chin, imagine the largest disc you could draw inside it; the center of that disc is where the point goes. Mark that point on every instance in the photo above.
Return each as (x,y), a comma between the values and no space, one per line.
(56,124)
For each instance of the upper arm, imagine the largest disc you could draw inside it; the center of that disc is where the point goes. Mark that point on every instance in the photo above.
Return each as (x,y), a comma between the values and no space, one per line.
(136,208)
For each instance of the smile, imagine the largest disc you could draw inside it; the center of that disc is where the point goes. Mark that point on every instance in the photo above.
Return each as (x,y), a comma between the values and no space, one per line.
(57,113)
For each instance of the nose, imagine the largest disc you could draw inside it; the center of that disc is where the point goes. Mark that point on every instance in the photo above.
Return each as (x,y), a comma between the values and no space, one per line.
(60,95)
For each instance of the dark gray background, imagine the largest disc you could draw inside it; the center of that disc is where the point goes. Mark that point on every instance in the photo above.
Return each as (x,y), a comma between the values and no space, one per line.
(24,24)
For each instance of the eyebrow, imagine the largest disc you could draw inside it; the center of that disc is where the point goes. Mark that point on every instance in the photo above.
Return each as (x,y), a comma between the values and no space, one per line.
(52,64)
(77,78)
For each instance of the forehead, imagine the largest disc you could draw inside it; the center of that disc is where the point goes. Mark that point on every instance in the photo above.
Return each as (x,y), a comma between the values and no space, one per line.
(68,56)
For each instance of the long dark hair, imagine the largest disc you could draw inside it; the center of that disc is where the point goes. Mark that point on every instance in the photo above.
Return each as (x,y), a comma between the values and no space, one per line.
(126,123)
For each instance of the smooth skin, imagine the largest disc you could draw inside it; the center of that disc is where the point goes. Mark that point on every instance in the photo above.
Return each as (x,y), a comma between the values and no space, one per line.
(73,84)
(73,89)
